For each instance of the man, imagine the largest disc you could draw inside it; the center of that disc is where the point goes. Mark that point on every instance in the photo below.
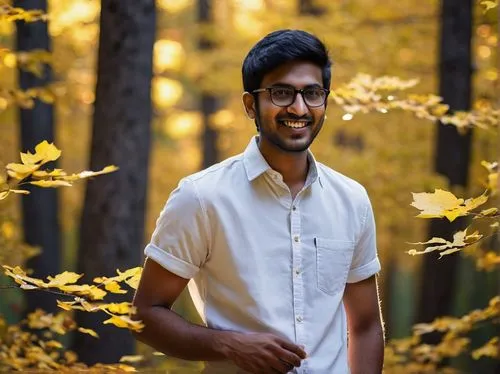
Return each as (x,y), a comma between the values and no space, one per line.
(280,248)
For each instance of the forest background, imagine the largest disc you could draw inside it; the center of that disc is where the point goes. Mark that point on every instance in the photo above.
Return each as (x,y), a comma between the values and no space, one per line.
(79,73)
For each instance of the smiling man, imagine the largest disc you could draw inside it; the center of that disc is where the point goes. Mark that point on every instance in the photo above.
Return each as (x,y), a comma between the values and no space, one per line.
(279,248)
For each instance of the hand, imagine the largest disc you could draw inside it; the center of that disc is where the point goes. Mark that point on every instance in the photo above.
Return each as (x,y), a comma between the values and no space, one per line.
(262,352)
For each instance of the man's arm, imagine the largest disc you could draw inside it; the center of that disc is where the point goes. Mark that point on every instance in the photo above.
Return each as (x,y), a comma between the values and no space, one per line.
(169,333)
(366,335)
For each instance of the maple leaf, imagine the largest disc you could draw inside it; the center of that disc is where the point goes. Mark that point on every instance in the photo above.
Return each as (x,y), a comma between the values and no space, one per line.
(442,203)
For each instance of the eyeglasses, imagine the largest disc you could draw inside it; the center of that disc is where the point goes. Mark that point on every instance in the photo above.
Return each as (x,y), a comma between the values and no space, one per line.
(285,96)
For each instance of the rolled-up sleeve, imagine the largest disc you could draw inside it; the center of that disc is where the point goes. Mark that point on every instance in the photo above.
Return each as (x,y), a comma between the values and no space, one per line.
(365,262)
(180,240)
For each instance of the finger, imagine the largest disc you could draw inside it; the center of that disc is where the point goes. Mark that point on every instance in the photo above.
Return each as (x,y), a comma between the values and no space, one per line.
(290,358)
(299,351)
(281,366)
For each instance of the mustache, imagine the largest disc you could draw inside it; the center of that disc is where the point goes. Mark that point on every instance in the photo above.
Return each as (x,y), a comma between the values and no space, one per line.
(292,117)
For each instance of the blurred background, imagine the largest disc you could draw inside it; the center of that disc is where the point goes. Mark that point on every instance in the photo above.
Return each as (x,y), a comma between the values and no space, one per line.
(188,55)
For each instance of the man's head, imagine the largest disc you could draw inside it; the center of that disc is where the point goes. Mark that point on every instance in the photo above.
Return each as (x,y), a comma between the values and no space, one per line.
(275,68)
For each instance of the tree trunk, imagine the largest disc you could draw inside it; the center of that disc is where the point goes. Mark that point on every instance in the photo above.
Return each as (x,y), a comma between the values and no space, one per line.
(112,223)
(40,208)
(209,103)
(452,154)
(308,7)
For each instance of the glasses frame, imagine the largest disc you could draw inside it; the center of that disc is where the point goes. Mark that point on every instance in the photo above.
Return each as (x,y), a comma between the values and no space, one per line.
(301,91)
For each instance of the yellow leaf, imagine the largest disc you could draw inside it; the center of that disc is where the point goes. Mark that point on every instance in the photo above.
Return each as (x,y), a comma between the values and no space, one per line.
(120,308)
(156,353)
(88,174)
(136,358)
(88,331)
(97,294)
(49,174)
(63,279)
(444,204)
(114,287)
(125,322)
(4,194)
(489,212)
(53,344)
(22,192)
(47,152)
(490,349)
(28,158)
(20,171)
(51,183)
(66,305)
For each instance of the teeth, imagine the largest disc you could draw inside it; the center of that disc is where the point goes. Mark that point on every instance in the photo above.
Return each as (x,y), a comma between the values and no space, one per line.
(295,125)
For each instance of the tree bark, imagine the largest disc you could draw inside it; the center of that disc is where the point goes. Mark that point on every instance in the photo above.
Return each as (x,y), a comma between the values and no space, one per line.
(209,103)
(112,223)
(40,208)
(452,153)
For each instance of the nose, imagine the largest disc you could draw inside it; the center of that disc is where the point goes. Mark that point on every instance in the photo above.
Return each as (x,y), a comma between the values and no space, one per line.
(298,107)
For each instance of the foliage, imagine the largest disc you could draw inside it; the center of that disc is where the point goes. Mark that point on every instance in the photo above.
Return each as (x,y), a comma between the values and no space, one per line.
(411,356)
(28,171)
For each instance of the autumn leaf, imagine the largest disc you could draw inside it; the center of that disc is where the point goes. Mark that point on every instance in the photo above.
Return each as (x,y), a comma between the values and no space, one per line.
(87,174)
(125,322)
(63,279)
(21,171)
(51,183)
(114,287)
(490,349)
(21,192)
(460,240)
(442,203)
(88,331)
(120,308)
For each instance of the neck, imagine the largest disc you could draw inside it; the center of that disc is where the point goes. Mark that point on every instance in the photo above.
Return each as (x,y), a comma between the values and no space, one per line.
(293,166)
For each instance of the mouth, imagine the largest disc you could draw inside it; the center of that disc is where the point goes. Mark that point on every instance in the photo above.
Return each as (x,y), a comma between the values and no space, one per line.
(295,124)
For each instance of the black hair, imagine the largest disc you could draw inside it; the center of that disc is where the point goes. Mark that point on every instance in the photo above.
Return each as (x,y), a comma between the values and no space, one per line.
(280,47)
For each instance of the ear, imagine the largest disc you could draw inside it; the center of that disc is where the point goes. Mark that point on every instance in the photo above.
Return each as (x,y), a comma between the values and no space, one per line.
(249,104)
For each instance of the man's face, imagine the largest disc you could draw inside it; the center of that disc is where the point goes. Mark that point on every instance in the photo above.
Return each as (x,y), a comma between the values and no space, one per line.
(292,128)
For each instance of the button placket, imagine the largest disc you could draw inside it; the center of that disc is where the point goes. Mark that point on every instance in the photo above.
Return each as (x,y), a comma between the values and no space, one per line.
(297,279)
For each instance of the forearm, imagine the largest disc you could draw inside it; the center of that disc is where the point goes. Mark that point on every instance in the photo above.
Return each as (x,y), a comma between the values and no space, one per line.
(169,333)
(366,350)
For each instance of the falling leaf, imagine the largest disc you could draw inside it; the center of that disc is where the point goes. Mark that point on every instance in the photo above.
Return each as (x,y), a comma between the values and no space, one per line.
(88,331)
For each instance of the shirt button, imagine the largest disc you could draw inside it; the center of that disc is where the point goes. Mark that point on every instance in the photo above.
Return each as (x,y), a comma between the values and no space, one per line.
(297,271)
(296,238)
(299,319)
(294,208)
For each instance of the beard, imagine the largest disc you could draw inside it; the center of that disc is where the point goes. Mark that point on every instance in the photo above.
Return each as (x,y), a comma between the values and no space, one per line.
(279,141)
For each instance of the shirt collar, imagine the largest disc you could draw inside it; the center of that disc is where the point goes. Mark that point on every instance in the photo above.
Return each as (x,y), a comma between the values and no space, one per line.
(256,164)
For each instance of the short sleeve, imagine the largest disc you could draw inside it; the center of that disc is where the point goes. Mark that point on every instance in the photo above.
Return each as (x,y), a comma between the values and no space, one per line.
(180,242)
(365,262)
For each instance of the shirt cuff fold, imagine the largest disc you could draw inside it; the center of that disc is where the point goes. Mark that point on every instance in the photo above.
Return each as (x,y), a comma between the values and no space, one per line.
(170,262)
(363,272)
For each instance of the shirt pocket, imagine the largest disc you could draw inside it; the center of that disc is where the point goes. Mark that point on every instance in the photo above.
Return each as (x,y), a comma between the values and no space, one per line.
(333,261)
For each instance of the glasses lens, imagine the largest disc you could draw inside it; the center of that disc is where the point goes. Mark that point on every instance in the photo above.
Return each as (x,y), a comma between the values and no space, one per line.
(314,96)
(282,96)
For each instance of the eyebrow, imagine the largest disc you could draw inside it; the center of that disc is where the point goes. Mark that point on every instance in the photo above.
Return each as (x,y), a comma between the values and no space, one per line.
(280,84)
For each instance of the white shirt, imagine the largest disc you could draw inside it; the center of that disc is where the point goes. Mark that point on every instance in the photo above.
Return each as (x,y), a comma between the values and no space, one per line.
(262,262)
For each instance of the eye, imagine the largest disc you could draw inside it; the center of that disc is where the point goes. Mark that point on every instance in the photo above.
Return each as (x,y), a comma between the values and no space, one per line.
(314,93)
(281,92)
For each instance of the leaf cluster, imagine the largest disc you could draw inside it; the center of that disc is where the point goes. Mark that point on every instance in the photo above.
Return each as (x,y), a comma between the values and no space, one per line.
(28,171)
(409,355)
